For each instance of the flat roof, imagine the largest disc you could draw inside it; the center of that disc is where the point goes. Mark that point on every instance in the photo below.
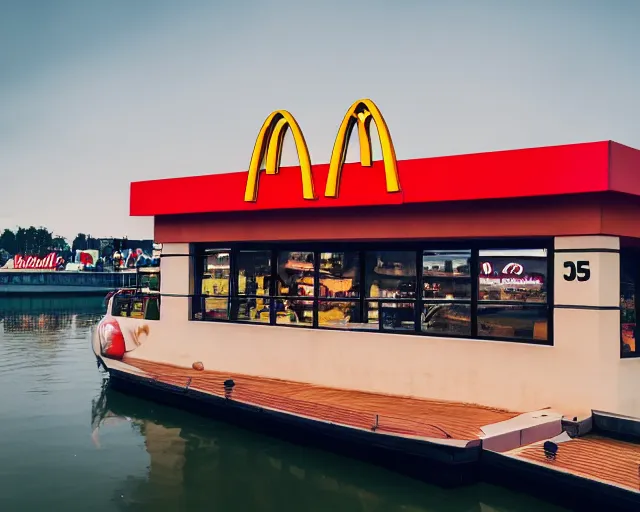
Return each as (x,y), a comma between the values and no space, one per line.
(583,168)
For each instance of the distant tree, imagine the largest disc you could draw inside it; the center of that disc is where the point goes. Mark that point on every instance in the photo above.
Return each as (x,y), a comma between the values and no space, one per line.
(32,241)
(22,241)
(93,243)
(8,241)
(40,241)
(59,243)
(43,242)
(79,243)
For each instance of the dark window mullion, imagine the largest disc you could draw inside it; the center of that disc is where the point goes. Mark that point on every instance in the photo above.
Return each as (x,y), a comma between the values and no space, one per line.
(339,299)
(272,287)
(550,290)
(316,287)
(199,270)
(474,291)
(419,291)
(636,282)
(389,299)
(364,314)
(233,303)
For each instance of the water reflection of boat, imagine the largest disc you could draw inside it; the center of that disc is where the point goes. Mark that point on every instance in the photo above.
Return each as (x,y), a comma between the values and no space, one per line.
(51,304)
(37,322)
(53,313)
(233,469)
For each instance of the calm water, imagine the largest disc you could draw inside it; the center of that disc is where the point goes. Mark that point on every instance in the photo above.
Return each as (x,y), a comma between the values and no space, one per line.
(69,443)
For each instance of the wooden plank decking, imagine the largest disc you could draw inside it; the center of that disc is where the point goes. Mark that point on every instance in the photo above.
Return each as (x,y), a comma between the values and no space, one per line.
(592,457)
(396,414)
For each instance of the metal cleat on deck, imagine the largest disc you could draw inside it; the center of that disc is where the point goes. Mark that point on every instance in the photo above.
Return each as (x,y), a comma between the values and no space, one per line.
(550,450)
(229,384)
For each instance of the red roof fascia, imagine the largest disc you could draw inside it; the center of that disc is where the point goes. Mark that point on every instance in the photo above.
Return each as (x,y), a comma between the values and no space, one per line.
(547,171)
(624,169)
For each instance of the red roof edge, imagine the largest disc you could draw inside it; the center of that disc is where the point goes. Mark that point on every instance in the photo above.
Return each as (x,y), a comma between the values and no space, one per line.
(544,171)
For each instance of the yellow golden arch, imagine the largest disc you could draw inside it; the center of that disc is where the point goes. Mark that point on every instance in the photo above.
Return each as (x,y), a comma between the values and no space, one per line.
(362,112)
(271,136)
(269,146)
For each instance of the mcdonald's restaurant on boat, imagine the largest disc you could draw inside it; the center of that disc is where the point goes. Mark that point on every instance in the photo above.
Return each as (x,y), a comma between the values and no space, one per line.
(506,279)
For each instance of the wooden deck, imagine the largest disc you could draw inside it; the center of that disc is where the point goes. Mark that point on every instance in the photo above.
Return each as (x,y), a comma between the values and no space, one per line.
(395,414)
(592,457)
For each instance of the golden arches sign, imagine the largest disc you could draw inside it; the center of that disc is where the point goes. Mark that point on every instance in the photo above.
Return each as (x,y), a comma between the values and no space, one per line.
(362,112)
(271,136)
(269,146)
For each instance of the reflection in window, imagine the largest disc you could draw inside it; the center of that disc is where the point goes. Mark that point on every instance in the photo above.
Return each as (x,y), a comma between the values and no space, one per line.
(339,314)
(378,290)
(372,316)
(254,271)
(142,306)
(252,309)
(629,262)
(149,279)
(450,318)
(339,274)
(294,312)
(152,308)
(398,316)
(215,278)
(295,288)
(254,277)
(295,274)
(513,275)
(121,305)
(216,308)
(513,321)
(446,274)
(391,274)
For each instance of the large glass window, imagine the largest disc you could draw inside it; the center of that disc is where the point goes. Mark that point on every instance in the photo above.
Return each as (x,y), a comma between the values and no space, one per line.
(339,290)
(513,275)
(629,279)
(446,292)
(476,293)
(512,294)
(295,288)
(253,302)
(215,284)
(136,305)
(390,275)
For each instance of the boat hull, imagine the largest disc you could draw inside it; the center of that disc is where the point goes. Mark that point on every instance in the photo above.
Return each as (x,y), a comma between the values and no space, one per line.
(562,488)
(442,464)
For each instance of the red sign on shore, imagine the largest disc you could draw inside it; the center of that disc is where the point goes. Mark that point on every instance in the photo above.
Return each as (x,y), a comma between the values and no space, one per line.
(48,262)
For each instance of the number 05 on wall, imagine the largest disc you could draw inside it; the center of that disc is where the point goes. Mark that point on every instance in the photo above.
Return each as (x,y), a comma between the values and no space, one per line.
(577,270)
(586,279)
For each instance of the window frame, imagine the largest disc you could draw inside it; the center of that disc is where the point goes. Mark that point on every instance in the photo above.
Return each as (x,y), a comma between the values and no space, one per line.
(626,253)
(129,300)
(473,290)
(391,245)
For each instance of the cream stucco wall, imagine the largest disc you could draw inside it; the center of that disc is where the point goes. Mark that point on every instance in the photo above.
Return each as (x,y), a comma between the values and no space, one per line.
(582,371)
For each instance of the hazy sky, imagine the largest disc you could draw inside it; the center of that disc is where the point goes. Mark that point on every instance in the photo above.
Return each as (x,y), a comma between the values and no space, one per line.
(96,94)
